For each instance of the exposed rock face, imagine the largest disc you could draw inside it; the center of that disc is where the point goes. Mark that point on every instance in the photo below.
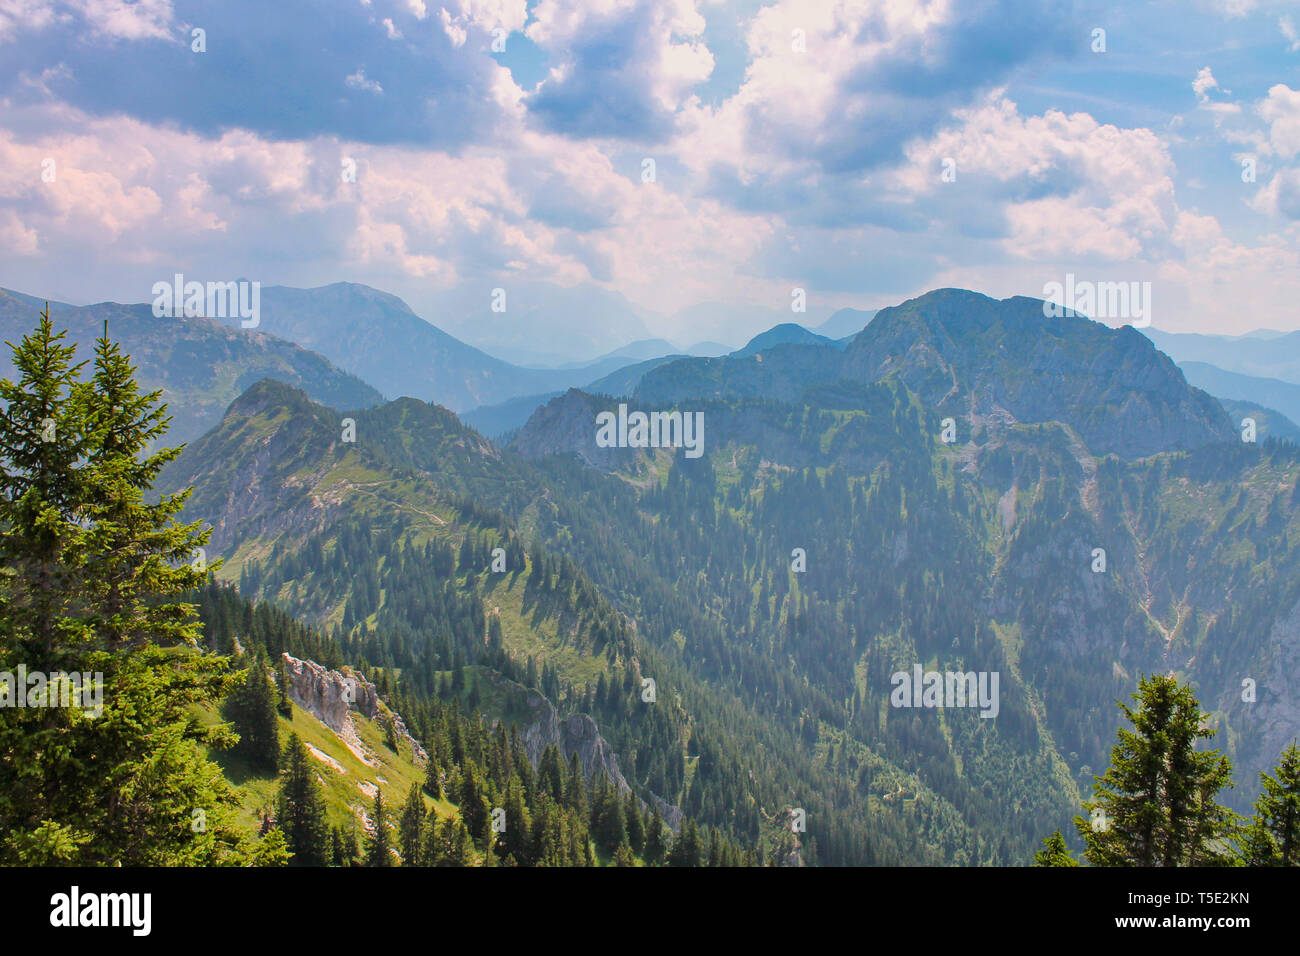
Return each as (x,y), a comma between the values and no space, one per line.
(578,734)
(568,423)
(332,696)
(1270,722)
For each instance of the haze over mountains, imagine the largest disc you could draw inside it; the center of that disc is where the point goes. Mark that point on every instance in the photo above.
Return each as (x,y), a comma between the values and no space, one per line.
(949,473)
(201,364)
(977,553)
(375,337)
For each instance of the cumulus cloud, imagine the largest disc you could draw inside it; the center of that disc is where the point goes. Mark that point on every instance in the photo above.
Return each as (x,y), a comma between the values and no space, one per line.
(1281,111)
(134,20)
(1203,83)
(130,201)
(17,15)
(816,160)
(620,68)
(436,92)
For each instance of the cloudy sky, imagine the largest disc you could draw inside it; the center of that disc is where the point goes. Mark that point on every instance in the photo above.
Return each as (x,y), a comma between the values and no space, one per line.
(794,143)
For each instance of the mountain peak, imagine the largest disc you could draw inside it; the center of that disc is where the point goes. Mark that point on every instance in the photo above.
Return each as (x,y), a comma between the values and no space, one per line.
(787,333)
(982,360)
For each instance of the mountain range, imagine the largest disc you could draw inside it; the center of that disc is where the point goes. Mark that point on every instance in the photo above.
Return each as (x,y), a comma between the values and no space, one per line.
(934,492)
(200,364)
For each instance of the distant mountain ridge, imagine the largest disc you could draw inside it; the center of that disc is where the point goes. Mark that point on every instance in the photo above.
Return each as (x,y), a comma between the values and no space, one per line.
(985,362)
(200,364)
(1272,393)
(787,333)
(1263,353)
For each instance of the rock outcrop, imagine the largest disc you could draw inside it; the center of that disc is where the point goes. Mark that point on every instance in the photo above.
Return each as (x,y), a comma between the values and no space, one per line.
(575,734)
(332,697)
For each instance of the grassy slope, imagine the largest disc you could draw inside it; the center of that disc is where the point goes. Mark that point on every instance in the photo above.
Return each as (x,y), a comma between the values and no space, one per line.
(342,785)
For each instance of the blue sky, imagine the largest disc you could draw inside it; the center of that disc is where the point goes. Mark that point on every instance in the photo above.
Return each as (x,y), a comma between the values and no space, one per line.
(796,144)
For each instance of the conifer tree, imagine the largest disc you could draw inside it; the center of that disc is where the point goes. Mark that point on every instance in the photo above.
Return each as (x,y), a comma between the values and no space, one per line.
(283,706)
(1054,852)
(473,804)
(409,826)
(635,824)
(432,846)
(686,848)
(715,848)
(454,846)
(624,856)
(655,839)
(516,841)
(1156,804)
(1274,834)
(251,710)
(575,789)
(300,808)
(432,776)
(607,822)
(378,842)
(92,580)
(336,848)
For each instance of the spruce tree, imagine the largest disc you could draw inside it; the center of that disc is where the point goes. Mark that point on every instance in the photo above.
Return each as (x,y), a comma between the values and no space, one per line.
(432,846)
(432,776)
(686,848)
(409,826)
(378,841)
(1054,852)
(283,706)
(608,826)
(1156,804)
(300,808)
(1274,835)
(453,846)
(474,809)
(575,789)
(655,839)
(635,823)
(251,710)
(92,579)
(516,841)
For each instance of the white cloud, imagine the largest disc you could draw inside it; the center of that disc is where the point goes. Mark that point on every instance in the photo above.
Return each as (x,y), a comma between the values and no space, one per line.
(1287,26)
(1203,83)
(1281,110)
(358,81)
(1110,191)
(633,61)
(18,15)
(1235,8)
(138,20)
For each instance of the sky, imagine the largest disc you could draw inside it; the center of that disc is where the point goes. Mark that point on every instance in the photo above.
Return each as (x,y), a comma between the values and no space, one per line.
(657,153)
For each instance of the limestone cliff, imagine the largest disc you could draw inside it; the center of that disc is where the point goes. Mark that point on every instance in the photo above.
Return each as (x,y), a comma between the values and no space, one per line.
(333,696)
(575,734)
